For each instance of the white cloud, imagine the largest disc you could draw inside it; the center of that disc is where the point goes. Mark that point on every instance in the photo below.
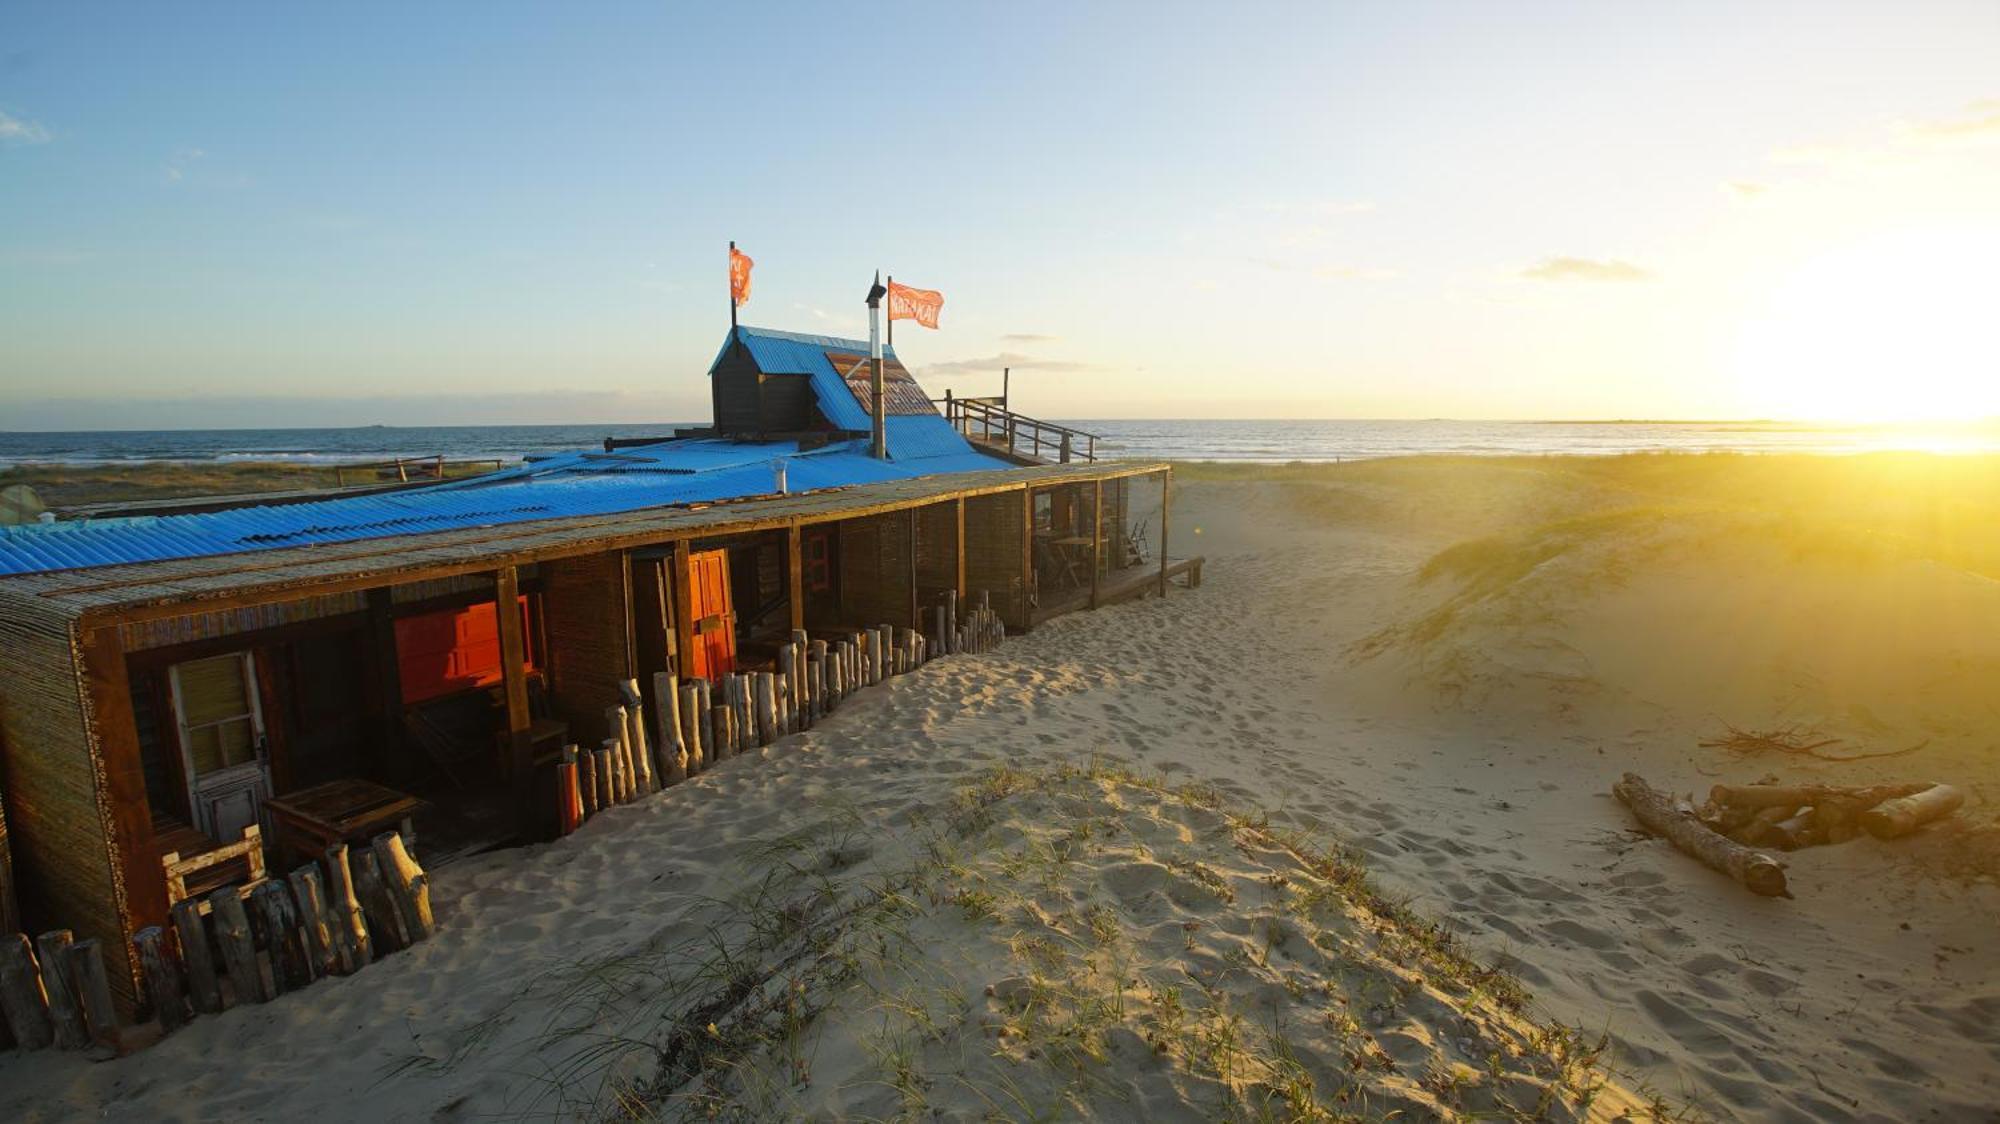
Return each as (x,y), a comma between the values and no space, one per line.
(1585,269)
(177,165)
(1745,190)
(13,130)
(1028,337)
(1004,359)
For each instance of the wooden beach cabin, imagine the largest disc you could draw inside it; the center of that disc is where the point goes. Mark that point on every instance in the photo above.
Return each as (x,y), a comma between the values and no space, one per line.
(196,698)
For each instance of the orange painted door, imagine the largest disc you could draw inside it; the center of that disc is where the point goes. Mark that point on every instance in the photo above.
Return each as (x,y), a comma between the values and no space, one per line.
(714,615)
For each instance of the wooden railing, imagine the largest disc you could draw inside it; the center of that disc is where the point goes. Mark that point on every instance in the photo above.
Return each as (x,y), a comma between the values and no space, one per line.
(990,422)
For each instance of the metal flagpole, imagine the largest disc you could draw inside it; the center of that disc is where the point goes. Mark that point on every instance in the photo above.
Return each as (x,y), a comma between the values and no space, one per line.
(732,288)
(879,449)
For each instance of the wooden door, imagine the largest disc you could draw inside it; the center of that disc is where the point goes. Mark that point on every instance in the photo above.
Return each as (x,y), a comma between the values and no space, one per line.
(221,726)
(714,615)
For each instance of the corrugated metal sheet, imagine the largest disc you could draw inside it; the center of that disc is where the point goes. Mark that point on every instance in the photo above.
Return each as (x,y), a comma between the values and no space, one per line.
(792,353)
(572,484)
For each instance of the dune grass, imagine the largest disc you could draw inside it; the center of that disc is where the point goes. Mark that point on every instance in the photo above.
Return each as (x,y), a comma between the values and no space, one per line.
(1058,943)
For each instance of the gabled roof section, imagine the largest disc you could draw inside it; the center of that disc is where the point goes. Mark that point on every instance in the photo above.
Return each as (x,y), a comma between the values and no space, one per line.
(795,353)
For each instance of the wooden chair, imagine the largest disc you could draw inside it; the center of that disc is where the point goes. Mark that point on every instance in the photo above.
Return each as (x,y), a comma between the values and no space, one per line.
(214,866)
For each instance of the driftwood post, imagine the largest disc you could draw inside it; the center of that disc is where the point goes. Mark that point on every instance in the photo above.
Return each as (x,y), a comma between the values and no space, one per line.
(271,911)
(621,774)
(163,977)
(673,745)
(635,736)
(1892,819)
(788,677)
(51,950)
(706,697)
(203,986)
(321,958)
(767,715)
(606,785)
(691,728)
(391,929)
(239,948)
(22,998)
(1760,873)
(586,781)
(93,989)
(350,925)
(569,799)
(407,883)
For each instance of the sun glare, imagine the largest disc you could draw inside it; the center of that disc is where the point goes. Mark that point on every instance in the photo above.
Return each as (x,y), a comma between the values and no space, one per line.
(1897,327)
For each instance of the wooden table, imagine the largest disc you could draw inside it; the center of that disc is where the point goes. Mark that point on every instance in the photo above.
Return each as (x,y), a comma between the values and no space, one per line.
(305,823)
(1073,554)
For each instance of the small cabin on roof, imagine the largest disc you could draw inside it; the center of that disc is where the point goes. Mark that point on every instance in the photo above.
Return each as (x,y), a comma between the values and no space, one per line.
(181,694)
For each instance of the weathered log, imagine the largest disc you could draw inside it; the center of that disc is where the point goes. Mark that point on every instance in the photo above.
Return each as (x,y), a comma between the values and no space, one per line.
(1800,795)
(23,999)
(621,766)
(238,945)
(274,917)
(407,883)
(1837,821)
(350,924)
(162,970)
(707,697)
(203,986)
(587,782)
(1758,831)
(385,918)
(635,736)
(788,676)
(1800,829)
(673,744)
(93,991)
(1655,810)
(569,801)
(1893,819)
(51,949)
(315,929)
(764,685)
(600,759)
(691,728)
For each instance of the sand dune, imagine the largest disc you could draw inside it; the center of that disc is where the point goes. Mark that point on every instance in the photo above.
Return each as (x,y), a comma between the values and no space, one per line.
(978,883)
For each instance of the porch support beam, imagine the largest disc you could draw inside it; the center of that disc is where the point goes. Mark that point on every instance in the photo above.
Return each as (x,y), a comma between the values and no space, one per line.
(1166,494)
(108,710)
(513,652)
(1096,536)
(683,592)
(795,575)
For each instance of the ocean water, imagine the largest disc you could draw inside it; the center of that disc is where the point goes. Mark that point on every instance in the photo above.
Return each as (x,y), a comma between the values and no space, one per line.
(1266,441)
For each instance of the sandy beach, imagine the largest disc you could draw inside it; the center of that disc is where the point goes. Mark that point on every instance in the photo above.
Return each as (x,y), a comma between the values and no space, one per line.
(1109,869)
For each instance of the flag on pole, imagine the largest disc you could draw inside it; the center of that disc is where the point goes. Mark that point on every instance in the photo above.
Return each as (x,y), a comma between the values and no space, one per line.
(739,276)
(921,305)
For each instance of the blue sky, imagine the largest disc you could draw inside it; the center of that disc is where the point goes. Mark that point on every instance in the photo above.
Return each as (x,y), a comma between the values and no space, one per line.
(271,215)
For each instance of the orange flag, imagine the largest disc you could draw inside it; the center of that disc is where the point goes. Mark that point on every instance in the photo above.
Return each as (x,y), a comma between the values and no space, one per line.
(739,275)
(921,305)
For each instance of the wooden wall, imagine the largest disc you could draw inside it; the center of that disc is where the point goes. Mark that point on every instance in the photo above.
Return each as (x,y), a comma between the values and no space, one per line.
(937,552)
(993,554)
(60,825)
(733,387)
(10,913)
(585,620)
(875,570)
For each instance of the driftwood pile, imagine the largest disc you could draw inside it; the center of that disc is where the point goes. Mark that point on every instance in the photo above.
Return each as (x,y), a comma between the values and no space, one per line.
(696,723)
(1726,832)
(237,945)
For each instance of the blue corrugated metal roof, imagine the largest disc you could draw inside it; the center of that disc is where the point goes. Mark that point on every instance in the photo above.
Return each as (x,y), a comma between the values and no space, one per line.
(571,484)
(579,483)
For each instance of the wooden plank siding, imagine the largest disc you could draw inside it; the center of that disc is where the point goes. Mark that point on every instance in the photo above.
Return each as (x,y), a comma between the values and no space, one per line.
(61,826)
(584,614)
(10,911)
(875,570)
(937,553)
(993,553)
